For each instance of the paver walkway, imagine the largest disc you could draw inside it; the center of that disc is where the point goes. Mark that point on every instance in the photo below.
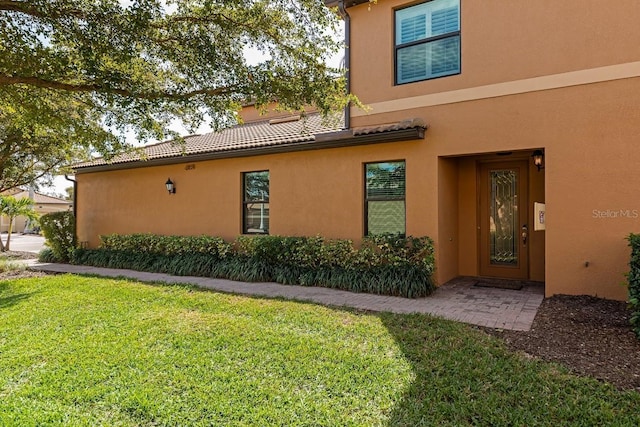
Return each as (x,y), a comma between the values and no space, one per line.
(457,300)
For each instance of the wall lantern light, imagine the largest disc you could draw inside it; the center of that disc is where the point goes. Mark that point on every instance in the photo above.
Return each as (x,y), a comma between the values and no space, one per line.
(170,187)
(538,158)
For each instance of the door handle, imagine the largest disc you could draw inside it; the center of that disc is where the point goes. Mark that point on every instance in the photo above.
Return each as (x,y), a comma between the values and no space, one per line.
(525,234)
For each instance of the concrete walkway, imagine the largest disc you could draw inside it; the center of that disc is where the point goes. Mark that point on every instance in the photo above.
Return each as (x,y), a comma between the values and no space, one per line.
(457,300)
(25,242)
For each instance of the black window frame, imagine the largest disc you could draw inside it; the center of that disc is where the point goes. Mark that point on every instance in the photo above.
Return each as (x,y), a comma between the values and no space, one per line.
(246,202)
(397,47)
(368,199)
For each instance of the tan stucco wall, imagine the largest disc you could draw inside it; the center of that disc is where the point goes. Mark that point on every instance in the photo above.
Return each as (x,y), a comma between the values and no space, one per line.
(447,255)
(249,113)
(558,76)
(561,76)
(501,41)
(589,134)
(318,192)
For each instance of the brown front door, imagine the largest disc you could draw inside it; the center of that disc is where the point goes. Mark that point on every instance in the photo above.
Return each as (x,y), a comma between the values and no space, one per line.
(504,222)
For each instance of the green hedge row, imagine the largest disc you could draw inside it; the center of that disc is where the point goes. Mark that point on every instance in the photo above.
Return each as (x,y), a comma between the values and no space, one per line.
(386,265)
(633,279)
(166,245)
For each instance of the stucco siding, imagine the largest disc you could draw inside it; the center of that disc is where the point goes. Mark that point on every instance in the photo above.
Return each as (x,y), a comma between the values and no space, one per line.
(315,192)
(562,77)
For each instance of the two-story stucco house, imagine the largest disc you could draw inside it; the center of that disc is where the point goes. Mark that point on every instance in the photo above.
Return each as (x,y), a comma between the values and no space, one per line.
(508,131)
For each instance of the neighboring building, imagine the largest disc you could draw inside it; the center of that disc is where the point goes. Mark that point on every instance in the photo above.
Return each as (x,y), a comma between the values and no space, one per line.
(497,82)
(42,204)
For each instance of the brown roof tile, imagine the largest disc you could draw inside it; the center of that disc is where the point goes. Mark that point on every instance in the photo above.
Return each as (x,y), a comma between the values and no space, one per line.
(38,198)
(389,127)
(45,199)
(252,136)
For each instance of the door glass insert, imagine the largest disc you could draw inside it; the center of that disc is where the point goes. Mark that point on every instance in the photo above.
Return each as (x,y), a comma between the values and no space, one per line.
(503,217)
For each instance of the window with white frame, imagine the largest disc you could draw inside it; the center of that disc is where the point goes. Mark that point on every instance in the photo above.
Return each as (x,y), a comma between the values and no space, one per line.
(427,41)
(255,204)
(385,198)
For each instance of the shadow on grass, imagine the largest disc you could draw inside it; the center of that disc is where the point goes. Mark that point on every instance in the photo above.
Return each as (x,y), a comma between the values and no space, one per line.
(9,300)
(463,376)
(420,339)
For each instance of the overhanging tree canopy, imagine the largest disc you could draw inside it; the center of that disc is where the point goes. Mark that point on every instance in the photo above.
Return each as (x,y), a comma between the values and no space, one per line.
(90,70)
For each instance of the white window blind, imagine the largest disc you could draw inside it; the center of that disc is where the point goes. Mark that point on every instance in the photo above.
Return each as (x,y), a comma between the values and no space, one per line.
(255,211)
(385,198)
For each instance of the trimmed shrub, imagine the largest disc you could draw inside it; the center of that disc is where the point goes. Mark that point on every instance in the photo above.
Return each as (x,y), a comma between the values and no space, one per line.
(387,265)
(633,278)
(59,229)
(46,255)
(166,245)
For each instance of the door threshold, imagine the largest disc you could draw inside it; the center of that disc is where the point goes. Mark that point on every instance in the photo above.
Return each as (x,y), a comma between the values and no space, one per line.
(499,283)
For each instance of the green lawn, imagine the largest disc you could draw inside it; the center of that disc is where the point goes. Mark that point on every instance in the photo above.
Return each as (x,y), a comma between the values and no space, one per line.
(88,351)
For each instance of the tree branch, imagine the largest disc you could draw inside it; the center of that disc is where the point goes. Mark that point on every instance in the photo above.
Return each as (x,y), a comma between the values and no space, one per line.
(28,9)
(8,148)
(6,80)
(25,176)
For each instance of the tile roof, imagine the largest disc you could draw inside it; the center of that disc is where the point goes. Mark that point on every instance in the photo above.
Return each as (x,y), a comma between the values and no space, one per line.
(251,135)
(39,198)
(348,3)
(389,127)
(264,134)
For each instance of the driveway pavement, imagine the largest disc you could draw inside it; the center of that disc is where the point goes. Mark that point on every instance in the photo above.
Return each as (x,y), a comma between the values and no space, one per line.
(457,300)
(25,242)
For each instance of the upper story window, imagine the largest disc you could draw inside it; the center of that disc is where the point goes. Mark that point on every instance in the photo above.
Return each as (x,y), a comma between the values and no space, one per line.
(427,41)
(255,203)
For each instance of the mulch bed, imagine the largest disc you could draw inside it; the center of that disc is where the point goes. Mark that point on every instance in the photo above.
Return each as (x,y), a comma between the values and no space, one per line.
(591,336)
(17,255)
(19,273)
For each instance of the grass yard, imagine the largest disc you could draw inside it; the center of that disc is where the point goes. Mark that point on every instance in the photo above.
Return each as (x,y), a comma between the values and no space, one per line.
(89,351)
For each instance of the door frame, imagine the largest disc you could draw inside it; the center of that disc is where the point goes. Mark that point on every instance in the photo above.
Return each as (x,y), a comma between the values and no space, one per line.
(521,271)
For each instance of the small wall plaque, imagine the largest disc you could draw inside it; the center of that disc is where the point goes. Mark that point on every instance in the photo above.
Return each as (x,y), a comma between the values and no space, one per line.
(539,211)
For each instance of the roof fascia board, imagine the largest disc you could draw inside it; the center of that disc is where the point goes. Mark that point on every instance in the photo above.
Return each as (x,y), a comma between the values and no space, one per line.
(347,3)
(323,141)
